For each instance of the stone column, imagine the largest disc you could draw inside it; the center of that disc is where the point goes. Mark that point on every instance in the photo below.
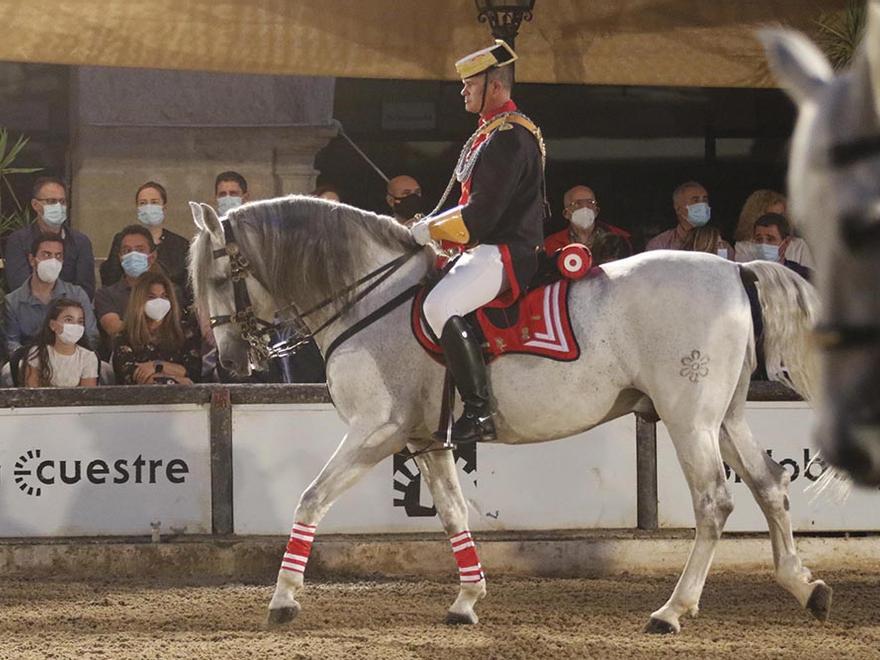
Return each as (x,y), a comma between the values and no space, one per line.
(181,129)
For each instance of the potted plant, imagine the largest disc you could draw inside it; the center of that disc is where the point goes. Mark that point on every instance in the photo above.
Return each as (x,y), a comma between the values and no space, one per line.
(839,33)
(12,213)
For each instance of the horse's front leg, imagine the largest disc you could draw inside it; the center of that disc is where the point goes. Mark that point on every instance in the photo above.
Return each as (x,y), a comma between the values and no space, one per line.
(359,451)
(438,470)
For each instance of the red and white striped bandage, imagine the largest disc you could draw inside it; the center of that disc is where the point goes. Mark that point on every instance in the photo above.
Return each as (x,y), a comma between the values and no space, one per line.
(296,555)
(469,569)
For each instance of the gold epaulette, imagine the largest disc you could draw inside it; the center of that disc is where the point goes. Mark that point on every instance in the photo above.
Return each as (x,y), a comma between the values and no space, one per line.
(505,122)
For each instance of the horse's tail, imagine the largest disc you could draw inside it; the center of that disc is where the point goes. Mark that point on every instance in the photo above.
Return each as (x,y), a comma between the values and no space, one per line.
(789,308)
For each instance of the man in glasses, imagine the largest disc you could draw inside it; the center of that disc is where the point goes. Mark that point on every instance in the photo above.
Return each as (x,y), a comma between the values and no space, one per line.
(49,202)
(581,209)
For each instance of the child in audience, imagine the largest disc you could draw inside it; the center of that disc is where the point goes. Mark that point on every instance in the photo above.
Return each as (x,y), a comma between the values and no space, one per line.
(58,356)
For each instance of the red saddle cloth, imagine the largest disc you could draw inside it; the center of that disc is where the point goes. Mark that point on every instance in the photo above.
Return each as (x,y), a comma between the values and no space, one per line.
(536,324)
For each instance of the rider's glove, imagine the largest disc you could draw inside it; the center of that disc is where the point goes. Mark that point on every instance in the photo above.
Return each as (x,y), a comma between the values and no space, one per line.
(421,232)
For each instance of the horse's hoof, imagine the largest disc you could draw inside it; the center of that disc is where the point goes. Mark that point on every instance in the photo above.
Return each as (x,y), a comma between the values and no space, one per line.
(458,619)
(282,615)
(819,604)
(659,627)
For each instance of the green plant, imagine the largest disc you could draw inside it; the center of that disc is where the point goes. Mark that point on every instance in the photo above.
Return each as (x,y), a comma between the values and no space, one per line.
(839,33)
(18,216)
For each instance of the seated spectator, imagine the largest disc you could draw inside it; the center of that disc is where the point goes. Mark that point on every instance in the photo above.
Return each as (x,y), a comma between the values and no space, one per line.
(404,198)
(327,192)
(769,236)
(606,242)
(691,203)
(58,357)
(756,205)
(25,308)
(155,347)
(230,190)
(137,255)
(706,239)
(50,204)
(171,249)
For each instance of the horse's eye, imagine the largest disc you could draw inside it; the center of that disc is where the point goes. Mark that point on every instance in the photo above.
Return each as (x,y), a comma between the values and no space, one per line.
(217,282)
(861,229)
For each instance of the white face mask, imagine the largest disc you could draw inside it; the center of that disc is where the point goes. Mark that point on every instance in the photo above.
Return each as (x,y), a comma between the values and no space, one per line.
(583,218)
(157,308)
(226,204)
(48,270)
(71,333)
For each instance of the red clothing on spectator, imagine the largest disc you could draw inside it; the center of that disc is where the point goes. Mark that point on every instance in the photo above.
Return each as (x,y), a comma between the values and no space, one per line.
(607,242)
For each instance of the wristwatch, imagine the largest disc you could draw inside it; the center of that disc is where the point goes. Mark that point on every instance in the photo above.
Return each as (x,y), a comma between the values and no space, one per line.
(158,366)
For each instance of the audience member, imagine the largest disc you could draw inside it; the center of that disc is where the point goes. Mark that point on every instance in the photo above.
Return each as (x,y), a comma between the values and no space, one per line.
(172,249)
(404,198)
(230,190)
(691,204)
(58,356)
(50,204)
(706,239)
(327,192)
(581,209)
(770,233)
(154,346)
(756,205)
(25,308)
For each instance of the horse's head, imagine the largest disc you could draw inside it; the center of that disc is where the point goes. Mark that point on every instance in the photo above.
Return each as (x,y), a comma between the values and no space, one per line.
(834,186)
(228,292)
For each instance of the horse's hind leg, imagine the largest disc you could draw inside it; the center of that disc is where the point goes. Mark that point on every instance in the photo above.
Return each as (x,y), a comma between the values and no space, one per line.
(438,470)
(768,482)
(697,450)
(359,451)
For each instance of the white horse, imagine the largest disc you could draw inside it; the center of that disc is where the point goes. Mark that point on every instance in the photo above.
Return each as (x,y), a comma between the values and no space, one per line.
(834,184)
(670,331)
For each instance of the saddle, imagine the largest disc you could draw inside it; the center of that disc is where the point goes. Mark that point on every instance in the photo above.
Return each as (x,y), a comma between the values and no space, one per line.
(536,323)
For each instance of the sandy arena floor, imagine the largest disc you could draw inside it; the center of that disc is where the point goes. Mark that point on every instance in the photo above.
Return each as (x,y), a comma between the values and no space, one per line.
(742,616)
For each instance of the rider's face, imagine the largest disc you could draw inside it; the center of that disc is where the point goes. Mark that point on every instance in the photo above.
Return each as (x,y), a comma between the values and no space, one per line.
(472,91)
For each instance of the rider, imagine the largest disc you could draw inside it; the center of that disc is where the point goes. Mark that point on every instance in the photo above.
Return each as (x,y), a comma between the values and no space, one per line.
(500,221)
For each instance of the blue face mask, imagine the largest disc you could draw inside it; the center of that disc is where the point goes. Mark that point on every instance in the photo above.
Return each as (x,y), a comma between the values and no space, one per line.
(54,214)
(699,214)
(226,204)
(768,252)
(151,215)
(135,264)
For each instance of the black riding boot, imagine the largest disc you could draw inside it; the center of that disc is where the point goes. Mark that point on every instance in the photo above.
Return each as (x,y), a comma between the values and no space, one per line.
(465,360)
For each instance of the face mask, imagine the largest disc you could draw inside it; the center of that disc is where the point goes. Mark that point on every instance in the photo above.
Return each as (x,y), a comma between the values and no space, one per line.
(699,214)
(48,270)
(406,207)
(135,264)
(768,252)
(151,215)
(54,214)
(71,333)
(226,204)
(583,218)
(157,308)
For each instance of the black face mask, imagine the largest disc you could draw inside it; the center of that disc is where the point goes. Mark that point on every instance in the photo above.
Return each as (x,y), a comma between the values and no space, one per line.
(407,206)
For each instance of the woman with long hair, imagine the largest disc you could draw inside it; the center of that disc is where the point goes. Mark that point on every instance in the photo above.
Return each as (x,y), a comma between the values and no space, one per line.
(155,347)
(59,355)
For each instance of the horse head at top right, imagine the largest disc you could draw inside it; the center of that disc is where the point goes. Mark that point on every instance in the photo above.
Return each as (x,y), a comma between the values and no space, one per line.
(834,189)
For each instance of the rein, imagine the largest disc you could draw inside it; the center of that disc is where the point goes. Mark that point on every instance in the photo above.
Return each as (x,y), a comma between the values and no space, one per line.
(255,331)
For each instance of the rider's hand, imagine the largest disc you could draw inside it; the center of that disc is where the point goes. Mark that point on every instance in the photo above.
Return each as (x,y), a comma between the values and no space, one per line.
(421,232)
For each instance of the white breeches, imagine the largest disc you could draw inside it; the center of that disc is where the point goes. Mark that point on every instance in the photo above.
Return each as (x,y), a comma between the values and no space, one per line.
(475,279)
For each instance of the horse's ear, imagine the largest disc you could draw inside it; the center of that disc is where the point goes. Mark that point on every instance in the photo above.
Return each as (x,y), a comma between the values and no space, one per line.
(799,66)
(211,222)
(872,41)
(198,216)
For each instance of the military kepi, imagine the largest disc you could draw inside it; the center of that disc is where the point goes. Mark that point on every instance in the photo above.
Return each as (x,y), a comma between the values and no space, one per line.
(501,54)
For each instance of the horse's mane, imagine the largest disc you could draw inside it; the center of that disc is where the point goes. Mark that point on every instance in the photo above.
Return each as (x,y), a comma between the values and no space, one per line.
(304,249)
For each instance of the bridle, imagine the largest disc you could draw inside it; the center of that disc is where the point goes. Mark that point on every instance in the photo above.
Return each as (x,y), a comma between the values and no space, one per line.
(257,332)
(859,231)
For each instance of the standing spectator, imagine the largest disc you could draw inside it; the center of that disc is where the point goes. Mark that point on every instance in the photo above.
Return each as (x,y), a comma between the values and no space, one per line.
(691,204)
(758,204)
(231,190)
(25,308)
(404,198)
(172,249)
(770,234)
(58,356)
(581,209)
(50,204)
(155,347)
